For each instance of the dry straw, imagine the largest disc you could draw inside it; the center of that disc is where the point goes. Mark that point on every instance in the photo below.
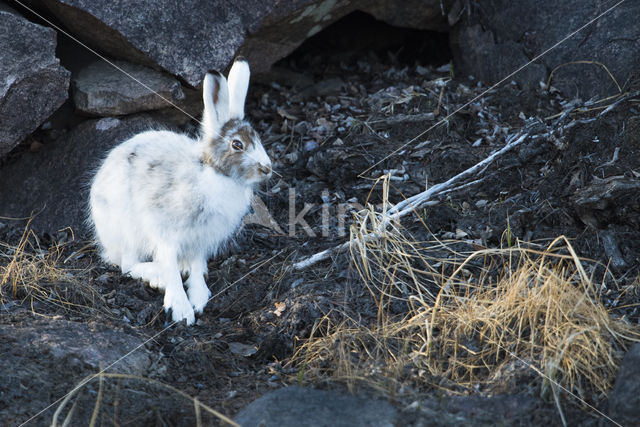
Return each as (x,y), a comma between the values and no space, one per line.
(465,318)
(30,272)
(118,403)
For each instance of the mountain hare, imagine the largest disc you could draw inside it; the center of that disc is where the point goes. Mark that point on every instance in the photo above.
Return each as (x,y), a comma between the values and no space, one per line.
(162,203)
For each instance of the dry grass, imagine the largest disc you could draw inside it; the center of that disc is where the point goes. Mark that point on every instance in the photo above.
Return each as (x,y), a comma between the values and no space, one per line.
(543,310)
(467,318)
(118,401)
(30,273)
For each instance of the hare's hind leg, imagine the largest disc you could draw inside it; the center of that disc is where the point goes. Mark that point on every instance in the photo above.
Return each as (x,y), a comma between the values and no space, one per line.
(150,272)
(132,264)
(175,299)
(197,288)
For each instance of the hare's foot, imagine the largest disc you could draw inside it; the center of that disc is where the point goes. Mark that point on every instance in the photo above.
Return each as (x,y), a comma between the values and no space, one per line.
(199,293)
(179,305)
(150,272)
(196,286)
(175,299)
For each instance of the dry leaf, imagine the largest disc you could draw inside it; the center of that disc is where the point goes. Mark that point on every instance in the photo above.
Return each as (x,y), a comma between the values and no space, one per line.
(286,115)
(280,307)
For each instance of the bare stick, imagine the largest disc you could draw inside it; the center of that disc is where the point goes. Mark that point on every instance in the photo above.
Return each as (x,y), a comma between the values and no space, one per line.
(321,256)
(415,202)
(403,118)
(531,131)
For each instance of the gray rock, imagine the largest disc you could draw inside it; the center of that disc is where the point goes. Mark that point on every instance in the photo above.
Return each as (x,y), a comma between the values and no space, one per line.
(525,29)
(45,360)
(624,399)
(611,247)
(102,90)
(185,38)
(297,406)
(32,82)
(52,184)
(75,347)
(488,61)
(484,411)
(189,37)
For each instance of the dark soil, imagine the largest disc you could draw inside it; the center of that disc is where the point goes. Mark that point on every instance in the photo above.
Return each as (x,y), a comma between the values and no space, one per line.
(330,136)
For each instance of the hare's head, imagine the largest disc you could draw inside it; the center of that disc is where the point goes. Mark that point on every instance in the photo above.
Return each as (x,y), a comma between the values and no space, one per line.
(232,146)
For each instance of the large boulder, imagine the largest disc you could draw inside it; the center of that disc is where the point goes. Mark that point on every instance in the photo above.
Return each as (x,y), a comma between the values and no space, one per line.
(44,360)
(494,39)
(295,406)
(624,400)
(78,345)
(32,82)
(289,23)
(189,37)
(103,90)
(52,183)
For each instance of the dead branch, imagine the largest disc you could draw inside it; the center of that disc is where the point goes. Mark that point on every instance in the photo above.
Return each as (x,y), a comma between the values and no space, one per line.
(534,130)
(403,118)
(415,202)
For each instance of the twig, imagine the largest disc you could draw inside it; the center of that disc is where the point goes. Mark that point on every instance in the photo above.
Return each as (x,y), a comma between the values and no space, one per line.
(409,205)
(459,188)
(321,256)
(613,160)
(414,202)
(403,118)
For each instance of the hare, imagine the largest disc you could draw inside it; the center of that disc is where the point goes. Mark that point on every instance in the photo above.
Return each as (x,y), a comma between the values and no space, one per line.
(162,203)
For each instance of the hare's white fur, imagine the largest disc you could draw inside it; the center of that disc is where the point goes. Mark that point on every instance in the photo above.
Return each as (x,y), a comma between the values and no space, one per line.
(162,203)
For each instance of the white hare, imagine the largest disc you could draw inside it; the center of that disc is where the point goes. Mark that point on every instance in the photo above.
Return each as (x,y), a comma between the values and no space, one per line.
(162,203)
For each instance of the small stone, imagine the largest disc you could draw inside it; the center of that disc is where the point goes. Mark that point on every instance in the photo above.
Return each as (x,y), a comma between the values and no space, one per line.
(310,145)
(240,349)
(291,157)
(35,146)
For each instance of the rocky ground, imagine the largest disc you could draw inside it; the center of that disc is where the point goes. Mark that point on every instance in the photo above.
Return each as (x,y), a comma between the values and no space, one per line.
(332,123)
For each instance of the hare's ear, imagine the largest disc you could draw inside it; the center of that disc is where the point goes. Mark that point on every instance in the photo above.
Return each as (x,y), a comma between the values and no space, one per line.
(215,94)
(238,85)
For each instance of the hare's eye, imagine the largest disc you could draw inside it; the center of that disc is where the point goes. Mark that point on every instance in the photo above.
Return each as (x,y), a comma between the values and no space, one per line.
(237,145)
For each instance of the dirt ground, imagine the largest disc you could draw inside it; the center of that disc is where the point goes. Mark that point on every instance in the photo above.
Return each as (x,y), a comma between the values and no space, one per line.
(349,118)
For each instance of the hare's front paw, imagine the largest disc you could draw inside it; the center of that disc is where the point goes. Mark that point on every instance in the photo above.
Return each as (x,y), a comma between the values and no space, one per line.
(180,306)
(199,295)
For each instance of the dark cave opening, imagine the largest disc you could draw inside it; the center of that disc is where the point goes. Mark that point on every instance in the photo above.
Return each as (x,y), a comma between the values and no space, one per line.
(359,35)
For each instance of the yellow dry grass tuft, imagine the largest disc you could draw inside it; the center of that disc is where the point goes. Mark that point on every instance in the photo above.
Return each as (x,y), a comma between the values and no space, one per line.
(467,317)
(544,311)
(29,272)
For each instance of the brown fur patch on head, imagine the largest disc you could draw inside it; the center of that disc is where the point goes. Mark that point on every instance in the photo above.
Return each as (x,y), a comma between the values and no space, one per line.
(226,160)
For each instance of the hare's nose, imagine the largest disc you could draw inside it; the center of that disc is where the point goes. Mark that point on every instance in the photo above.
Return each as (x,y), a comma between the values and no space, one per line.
(264,169)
